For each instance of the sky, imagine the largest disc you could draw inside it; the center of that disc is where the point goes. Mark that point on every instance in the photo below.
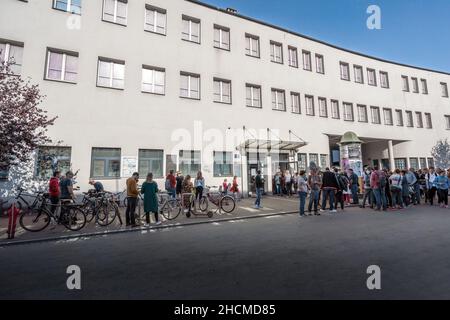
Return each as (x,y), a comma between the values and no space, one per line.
(414,32)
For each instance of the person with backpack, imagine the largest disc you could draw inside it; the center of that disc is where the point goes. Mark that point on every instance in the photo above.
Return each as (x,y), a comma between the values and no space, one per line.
(259,186)
(354,185)
(368,192)
(378,184)
(396,189)
(431,186)
(442,185)
(416,186)
(405,189)
(339,199)
(329,187)
(171,184)
(314,183)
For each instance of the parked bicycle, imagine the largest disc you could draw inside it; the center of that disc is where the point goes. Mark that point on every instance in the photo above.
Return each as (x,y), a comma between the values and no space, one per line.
(224,203)
(37,218)
(100,206)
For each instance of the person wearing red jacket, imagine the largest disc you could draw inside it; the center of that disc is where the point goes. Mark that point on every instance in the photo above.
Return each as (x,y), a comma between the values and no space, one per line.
(54,190)
(171,184)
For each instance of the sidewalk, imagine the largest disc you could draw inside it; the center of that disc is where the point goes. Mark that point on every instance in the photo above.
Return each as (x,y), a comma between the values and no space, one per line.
(244,209)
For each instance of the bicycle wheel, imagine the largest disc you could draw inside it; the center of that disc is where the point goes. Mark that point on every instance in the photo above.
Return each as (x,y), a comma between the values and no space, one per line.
(34,220)
(73,218)
(227,204)
(171,209)
(107,214)
(203,204)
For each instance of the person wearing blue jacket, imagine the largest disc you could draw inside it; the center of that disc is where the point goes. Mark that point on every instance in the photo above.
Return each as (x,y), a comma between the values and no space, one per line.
(442,185)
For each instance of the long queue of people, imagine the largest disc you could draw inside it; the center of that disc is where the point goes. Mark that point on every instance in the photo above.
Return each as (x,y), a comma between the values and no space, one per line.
(382,189)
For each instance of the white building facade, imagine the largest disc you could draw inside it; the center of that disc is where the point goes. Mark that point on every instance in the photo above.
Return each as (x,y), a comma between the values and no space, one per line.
(156,85)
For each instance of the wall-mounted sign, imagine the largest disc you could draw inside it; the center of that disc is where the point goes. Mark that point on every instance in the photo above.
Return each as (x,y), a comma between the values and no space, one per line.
(129,166)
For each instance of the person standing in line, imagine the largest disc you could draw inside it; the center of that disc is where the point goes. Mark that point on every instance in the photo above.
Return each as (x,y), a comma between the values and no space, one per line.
(150,189)
(442,185)
(225,186)
(235,189)
(368,192)
(354,186)
(314,183)
(288,184)
(416,186)
(346,192)
(431,186)
(329,187)
(132,197)
(340,191)
(396,189)
(54,190)
(199,184)
(259,186)
(283,184)
(378,184)
(171,184)
(423,184)
(277,180)
(187,193)
(405,189)
(66,185)
(387,189)
(179,187)
(302,187)
(295,182)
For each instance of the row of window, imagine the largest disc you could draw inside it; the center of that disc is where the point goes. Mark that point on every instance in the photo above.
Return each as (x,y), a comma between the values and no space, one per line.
(359,75)
(415,163)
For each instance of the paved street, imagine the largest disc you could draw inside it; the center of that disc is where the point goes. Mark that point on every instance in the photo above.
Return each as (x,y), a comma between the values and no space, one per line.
(281,257)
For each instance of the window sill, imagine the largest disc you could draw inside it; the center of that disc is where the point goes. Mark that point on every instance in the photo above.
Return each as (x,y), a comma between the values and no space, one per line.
(191,41)
(347,80)
(254,107)
(153,32)
(106,178)
(61,81)
(251,56)
(188,98)
(65,11)
(116,23)
(277,62)
(104,87)
(153,93)
(223,49)
(279,110)
(220,102)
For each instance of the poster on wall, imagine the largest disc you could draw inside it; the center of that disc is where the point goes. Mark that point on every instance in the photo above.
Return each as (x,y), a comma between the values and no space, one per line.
(129,166)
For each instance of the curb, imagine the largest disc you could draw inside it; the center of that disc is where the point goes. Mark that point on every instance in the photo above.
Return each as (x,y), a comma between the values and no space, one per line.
(124,231)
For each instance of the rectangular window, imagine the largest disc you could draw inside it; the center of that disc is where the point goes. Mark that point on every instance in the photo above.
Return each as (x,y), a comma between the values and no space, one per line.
(189,85)
(72,6)
(221,37)
(430,162)
(253,95)
(61,66)
(155,19)
(359,76)
(223,164)
(424,86)
(423,163)
(111,73)
(190,162)
(309,105)
(153,80)
(302,161)
(151,161)
(399,115)
(278,100)
(320,64)
(51,159)
(405,83)
(252,45)
(115,11)
(105,163)
(276,52)
(306,60)
(388,117)
(323,110)
(12,53)
(447,122)
(335,114)
(295,102)
(409,119)
(314,157)
(375,113)
(348,111)
(419,119)
(384,79)
(222,91)
(414,163)
(444,90)
(400,163)
(293,57)
(428,121)
(324,161)
(415,85)
(345,71)
(190,29)
(362,113)
(371,77)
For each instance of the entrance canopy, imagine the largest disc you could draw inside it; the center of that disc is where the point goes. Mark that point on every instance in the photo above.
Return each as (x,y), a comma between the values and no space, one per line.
(269,145)
(335,140)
